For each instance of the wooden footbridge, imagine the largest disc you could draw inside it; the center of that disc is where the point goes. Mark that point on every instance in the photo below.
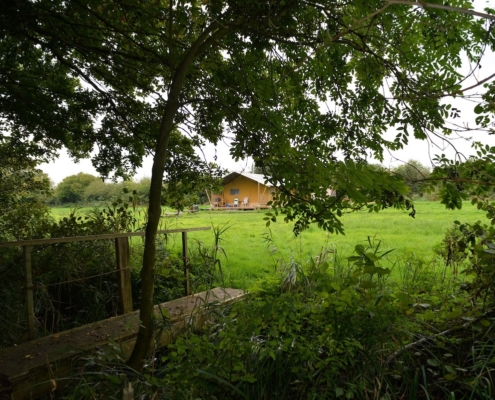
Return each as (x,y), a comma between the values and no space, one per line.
(37,367)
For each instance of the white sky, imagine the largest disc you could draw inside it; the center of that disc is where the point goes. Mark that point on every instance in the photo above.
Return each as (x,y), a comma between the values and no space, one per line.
(418,150)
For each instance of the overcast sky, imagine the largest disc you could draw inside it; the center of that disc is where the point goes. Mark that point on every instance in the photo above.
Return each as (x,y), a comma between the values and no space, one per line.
(417,150)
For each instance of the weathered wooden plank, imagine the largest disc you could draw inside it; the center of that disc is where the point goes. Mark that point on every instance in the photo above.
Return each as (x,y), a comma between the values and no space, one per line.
(32,369)
(35,242)
(123,274)
(26,252)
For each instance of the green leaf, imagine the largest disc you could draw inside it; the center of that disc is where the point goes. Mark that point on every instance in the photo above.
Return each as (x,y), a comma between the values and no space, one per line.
(428,315)
(359,249)
(370,270)
(371,256)
(403,297)
(433,362)
(454,314)
(114,379)
(451,369)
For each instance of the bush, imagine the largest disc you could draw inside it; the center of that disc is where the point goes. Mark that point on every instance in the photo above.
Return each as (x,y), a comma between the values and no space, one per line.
(453,248)
(324,330)
(319,337)
(75,282)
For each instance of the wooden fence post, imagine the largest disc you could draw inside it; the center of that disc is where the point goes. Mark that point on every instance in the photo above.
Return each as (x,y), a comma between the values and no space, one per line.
(123,274)
(186,262)
(128,393)
(26,252)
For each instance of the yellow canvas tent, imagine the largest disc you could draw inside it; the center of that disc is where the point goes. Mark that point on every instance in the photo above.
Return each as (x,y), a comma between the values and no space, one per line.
(243,190)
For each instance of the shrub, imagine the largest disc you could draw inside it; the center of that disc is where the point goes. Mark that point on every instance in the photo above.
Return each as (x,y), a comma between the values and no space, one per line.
(453,247)
(320,337)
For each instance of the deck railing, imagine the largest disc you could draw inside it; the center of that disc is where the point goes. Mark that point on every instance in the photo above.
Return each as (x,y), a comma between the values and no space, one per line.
(122,260)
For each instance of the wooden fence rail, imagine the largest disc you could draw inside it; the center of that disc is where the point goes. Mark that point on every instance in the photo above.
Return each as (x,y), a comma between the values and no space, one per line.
(122,262)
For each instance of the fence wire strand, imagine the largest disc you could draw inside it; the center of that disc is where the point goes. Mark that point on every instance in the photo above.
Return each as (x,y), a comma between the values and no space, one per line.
(86,277)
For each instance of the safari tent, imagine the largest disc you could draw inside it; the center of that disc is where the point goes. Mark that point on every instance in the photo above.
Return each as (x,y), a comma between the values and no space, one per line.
(243,190)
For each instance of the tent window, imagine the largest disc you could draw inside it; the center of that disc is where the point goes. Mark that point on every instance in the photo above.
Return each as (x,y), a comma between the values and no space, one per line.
(233,192)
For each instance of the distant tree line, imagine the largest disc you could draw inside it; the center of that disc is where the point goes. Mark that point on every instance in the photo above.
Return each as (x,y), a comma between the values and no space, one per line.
(415,176)
(85,188)
(414,173)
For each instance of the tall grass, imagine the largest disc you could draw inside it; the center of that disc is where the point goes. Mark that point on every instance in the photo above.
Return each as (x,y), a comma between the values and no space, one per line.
(249,259)
(327,328)
(319,324)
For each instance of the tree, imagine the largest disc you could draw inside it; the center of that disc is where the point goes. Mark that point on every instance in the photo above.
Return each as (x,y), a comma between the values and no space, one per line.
(98,190)
(72,188)
(24,190)
(142,188)
(415,174)
(254,71)
(188,175)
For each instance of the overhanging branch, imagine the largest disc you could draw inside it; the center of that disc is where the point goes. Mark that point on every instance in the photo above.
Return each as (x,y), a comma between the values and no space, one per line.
(424,4)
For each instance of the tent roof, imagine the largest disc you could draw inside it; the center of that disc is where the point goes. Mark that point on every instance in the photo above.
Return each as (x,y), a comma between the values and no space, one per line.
(254,177)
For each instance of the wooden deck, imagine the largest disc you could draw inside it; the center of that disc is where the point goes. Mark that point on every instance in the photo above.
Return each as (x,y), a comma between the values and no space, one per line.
(241,208)
(35,368)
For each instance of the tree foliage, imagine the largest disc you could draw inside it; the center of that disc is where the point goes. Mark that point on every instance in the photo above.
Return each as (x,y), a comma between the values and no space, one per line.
(72,189)
(98,190)
(24,190)
(187,175)
(415,174)
(256,72)
(105,192)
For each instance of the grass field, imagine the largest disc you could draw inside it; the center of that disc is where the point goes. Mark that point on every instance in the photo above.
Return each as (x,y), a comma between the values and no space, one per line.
(251,257)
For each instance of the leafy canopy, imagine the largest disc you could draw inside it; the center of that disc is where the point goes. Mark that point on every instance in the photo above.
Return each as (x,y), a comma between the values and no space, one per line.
(91,73)
(307,89)
(72,189)
(23,192)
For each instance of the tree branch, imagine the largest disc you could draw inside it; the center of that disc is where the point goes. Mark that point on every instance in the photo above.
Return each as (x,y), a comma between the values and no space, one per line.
(424,4)
(425,339)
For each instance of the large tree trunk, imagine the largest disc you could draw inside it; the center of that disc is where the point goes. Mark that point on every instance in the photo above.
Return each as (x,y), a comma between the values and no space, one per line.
(145,334)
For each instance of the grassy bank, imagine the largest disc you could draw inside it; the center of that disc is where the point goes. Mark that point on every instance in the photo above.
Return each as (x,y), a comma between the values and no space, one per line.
(331,328)
(253,250)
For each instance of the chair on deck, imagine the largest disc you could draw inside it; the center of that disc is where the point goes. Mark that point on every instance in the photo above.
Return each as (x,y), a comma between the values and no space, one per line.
(245,202)
(236,202)
(217,202)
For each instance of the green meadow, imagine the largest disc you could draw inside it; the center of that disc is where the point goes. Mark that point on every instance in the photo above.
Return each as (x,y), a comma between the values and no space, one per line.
(254,251)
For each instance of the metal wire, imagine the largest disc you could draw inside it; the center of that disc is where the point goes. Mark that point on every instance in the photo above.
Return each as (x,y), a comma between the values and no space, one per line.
(87,277)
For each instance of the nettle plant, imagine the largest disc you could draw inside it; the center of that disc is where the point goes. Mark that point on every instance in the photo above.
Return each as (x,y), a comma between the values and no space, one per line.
(459,180)
(313,337)
(478,241)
